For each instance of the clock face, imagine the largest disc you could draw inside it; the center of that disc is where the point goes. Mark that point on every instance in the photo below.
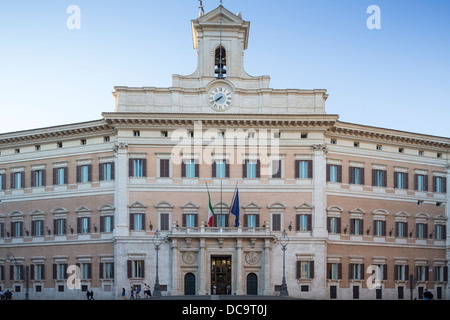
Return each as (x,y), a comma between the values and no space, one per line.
(220,98)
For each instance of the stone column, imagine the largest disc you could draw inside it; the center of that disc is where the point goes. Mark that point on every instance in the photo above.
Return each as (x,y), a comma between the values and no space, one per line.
(121,190)
(319,227)
(266,268)
(202,268)
(238,267)
(175,268)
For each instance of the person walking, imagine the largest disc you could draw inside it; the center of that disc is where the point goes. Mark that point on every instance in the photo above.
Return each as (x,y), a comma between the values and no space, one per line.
(123,294)
(92,295)
(427,295)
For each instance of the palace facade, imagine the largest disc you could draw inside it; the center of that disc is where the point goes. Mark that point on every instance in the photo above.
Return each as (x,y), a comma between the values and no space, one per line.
(365,208)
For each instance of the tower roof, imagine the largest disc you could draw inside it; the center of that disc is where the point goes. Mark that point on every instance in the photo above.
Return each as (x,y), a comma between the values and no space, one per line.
(211,21)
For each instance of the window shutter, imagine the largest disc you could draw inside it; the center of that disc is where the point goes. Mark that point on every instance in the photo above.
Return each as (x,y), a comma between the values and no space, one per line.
(425,179)
(183,169)
(143,221)
(100,270)
(362,176)
(328,224)
(425,230)
(129,269)
(196,221)
(143,269)
(89,224)
(55,226)
(374,177)
(385,271)
(244,169)
(55,271)
(130,167)
(144,167)
(396,229)
(214,170)
(339,270)
(383,230)
(276,222)
(309,221)
(328,270)
(33,228)
(338,225)
(395,180)
(11,272)
(297,222)
(297,169)
(258,169)
(444,184)
(90,172)
(102,224)
(350,271)
(89,270)
(406,180)
(339,170)
(101,171)
(328,172)
(446,273)
(184,220)
(32,272)
(245,220)
(384,178)
(197,169)
(113,172)
(79,222)
(257,221)
(311,269)
(78,174)
(131,221)
(299,266)
(227,169)
(66,175)
(55,176)
(350,175)
(361,227)
(13,181)
(352,226)
(310,169)
(33,178)
(362,271)
(434,184)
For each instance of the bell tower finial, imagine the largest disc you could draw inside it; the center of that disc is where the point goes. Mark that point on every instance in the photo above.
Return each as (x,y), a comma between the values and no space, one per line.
(202,11)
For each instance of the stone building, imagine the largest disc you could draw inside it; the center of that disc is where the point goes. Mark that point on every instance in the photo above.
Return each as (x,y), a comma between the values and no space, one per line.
(353,199)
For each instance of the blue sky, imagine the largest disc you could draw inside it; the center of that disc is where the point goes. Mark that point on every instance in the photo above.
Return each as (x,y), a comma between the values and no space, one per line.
(396,77)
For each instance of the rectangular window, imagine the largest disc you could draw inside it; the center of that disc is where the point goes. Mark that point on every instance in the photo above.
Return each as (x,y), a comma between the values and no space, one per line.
(138,222)
(439,184)
(334,271)
(399,180)
(303,222)
(61,271)
(2,182)
(109,270)
(37,228)
(220,220)
(138,269)
(421,231)
(16,229)
(60,176)
(251,220)
(378,178)
(303,170)
(356,175)
(190,169)
(85,271)
(83,225)
(220,169)
(440,231)
(401,229)
(17,180)
(333,173)
(37,179)
(334,225)
(190,220)
(164,223)
(251,169)
(421,182)
(84,174)
(276,168)
(356,226)
(38,272)
(276,222)
(60,226)
(305,269)
(138,168)
(164,168)
(379,228)
(107,171)
(356,271)
(107,223)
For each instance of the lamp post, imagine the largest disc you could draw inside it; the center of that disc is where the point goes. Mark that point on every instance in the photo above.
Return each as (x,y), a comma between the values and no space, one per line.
(413,282)
(157,240)
(9,255)
(284,241)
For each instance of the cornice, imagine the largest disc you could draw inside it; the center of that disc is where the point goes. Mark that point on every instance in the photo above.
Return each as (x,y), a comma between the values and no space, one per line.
(62,132)
(356,131)
(117,119)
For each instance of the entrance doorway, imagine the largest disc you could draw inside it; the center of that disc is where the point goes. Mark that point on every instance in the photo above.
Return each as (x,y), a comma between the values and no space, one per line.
(252,284)
(220,274)
(189,284)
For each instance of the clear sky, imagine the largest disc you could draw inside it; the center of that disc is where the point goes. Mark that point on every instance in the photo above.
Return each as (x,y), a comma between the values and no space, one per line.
(395,77)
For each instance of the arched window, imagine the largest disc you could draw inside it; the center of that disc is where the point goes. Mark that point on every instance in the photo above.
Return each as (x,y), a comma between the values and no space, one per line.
(220,63)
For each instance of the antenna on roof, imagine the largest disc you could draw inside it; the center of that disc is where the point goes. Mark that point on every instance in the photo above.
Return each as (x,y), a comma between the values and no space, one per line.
(202,11)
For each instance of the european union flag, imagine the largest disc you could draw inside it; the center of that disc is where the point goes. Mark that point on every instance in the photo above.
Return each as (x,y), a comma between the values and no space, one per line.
(235,208)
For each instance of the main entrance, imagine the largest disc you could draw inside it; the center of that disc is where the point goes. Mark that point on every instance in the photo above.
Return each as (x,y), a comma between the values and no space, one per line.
(220,274)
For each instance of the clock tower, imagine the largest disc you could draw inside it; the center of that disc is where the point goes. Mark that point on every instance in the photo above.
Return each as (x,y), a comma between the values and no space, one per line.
(220,83)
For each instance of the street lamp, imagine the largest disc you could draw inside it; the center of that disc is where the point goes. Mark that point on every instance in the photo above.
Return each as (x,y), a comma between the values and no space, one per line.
(157,241)
(284,241)
(9,255)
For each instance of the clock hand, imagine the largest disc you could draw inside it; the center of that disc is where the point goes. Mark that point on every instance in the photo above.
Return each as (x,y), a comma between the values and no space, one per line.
(218,99)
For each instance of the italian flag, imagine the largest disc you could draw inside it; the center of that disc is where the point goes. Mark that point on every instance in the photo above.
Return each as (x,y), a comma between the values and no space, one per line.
(210,212)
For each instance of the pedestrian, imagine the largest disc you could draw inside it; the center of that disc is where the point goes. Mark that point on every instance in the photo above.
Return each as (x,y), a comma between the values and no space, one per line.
(92,295)
(137,293)
(8,295)
(427,295)
(132,293)
(149,292)
(88,295)
(228,289)
(214,289)
(2,294)
(123,294)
